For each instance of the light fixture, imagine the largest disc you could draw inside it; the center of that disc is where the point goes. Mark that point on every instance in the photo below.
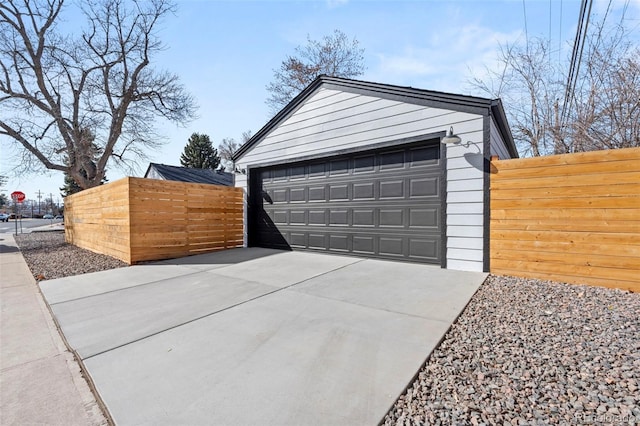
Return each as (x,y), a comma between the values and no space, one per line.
(451,139)
(239,171)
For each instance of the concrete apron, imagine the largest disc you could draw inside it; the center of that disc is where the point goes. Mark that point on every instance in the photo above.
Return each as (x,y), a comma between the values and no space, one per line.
(257,336)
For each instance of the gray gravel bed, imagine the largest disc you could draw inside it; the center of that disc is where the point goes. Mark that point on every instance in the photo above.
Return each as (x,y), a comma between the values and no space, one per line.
(529,352)
(49,256)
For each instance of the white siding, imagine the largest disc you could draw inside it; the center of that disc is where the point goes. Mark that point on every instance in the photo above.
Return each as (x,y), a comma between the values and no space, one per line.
(465,198)
(331,120)
(498,146)
(240,181)
(153,174)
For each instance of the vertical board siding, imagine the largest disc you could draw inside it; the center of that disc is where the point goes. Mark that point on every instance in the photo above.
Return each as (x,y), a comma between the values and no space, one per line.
(571,217)
(137,219)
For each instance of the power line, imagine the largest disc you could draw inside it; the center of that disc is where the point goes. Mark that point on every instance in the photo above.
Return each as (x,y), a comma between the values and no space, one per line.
(576,58)
(604,20)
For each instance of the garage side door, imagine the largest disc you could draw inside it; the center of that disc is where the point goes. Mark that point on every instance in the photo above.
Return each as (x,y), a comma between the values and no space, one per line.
(384,204)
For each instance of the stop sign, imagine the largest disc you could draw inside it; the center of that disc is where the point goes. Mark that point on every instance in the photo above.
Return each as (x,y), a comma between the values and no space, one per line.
(18,196)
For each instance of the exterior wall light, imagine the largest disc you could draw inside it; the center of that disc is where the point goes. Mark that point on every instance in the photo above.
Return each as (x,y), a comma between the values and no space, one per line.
(451,139)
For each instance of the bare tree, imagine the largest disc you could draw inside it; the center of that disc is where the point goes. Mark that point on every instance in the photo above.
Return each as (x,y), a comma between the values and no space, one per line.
(603,112)
(228,146)
(55,88)
(335,55)
(607,114)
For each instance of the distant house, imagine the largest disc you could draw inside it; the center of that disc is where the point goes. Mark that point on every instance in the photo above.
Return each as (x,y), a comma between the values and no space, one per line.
(186,174)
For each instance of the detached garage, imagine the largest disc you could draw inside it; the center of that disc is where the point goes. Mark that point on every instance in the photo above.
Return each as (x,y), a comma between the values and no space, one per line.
(358,168)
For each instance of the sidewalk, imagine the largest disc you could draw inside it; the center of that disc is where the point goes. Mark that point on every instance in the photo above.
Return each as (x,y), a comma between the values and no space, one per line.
(40,382)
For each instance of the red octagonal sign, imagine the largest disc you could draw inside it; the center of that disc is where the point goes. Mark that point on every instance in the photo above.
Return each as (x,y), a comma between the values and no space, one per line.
(18,196)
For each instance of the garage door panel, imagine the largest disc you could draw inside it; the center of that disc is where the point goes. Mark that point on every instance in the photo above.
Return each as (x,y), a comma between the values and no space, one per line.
(339,242)
(424,187)
(279,217)
(297,195)
(391,217)
(392,160)
(297,217)
(317,193)
(364,217)
(317,170)
(391,189)
(424,157)
(424,217)
(339,192)
(317,241)
(383,204)
(423,248)
(298,240)
(364,191)
(318,217)
(339,217)
(391,246)
(364,164)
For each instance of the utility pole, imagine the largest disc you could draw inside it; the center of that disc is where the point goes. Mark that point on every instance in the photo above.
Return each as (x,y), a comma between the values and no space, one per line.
(39,196)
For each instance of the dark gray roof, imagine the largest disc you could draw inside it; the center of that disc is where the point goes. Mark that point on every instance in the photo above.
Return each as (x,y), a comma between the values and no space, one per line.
(471,104)
(186,174)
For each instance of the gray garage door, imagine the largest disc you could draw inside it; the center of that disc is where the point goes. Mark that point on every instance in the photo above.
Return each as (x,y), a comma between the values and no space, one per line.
(384,203)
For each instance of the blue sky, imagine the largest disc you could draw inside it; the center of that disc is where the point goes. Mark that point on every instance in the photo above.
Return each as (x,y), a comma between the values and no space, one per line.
(225,53)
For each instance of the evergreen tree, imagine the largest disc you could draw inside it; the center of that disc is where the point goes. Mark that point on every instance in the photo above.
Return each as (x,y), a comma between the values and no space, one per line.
(199,153)
(71,186)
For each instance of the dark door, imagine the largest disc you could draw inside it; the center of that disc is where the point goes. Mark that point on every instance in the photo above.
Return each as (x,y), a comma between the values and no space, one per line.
(385,203)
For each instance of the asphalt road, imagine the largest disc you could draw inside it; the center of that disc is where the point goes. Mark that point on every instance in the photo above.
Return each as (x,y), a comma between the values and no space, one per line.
(6,227)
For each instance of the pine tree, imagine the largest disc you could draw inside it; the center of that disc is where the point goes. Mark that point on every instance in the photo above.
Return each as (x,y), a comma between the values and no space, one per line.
(199,153)
(71,186)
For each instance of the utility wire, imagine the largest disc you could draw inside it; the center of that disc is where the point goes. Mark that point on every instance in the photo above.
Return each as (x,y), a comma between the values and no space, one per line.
(576,58)
(604,20)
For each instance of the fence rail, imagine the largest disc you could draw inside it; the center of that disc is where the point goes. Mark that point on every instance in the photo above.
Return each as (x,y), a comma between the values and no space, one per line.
(136,219)
(571,217)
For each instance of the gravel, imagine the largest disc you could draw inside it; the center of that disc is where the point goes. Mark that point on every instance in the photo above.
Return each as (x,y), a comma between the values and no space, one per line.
(523,352)
(530,352)
(49,256)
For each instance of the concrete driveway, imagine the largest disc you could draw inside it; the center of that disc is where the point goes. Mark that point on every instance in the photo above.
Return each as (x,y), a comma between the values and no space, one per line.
(257,336)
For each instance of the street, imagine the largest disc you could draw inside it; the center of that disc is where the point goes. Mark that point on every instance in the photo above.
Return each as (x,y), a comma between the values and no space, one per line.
(27,224)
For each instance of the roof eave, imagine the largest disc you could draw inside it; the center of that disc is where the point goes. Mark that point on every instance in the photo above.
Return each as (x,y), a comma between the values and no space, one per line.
(497,110)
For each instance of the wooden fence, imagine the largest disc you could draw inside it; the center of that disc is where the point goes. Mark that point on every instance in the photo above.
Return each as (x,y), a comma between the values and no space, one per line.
(136,219)
(573,218)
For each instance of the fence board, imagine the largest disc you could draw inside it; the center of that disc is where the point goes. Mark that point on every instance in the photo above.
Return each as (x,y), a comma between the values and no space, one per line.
(571,217)
(620,178)
(593,190)
(137,219)
(566,247)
